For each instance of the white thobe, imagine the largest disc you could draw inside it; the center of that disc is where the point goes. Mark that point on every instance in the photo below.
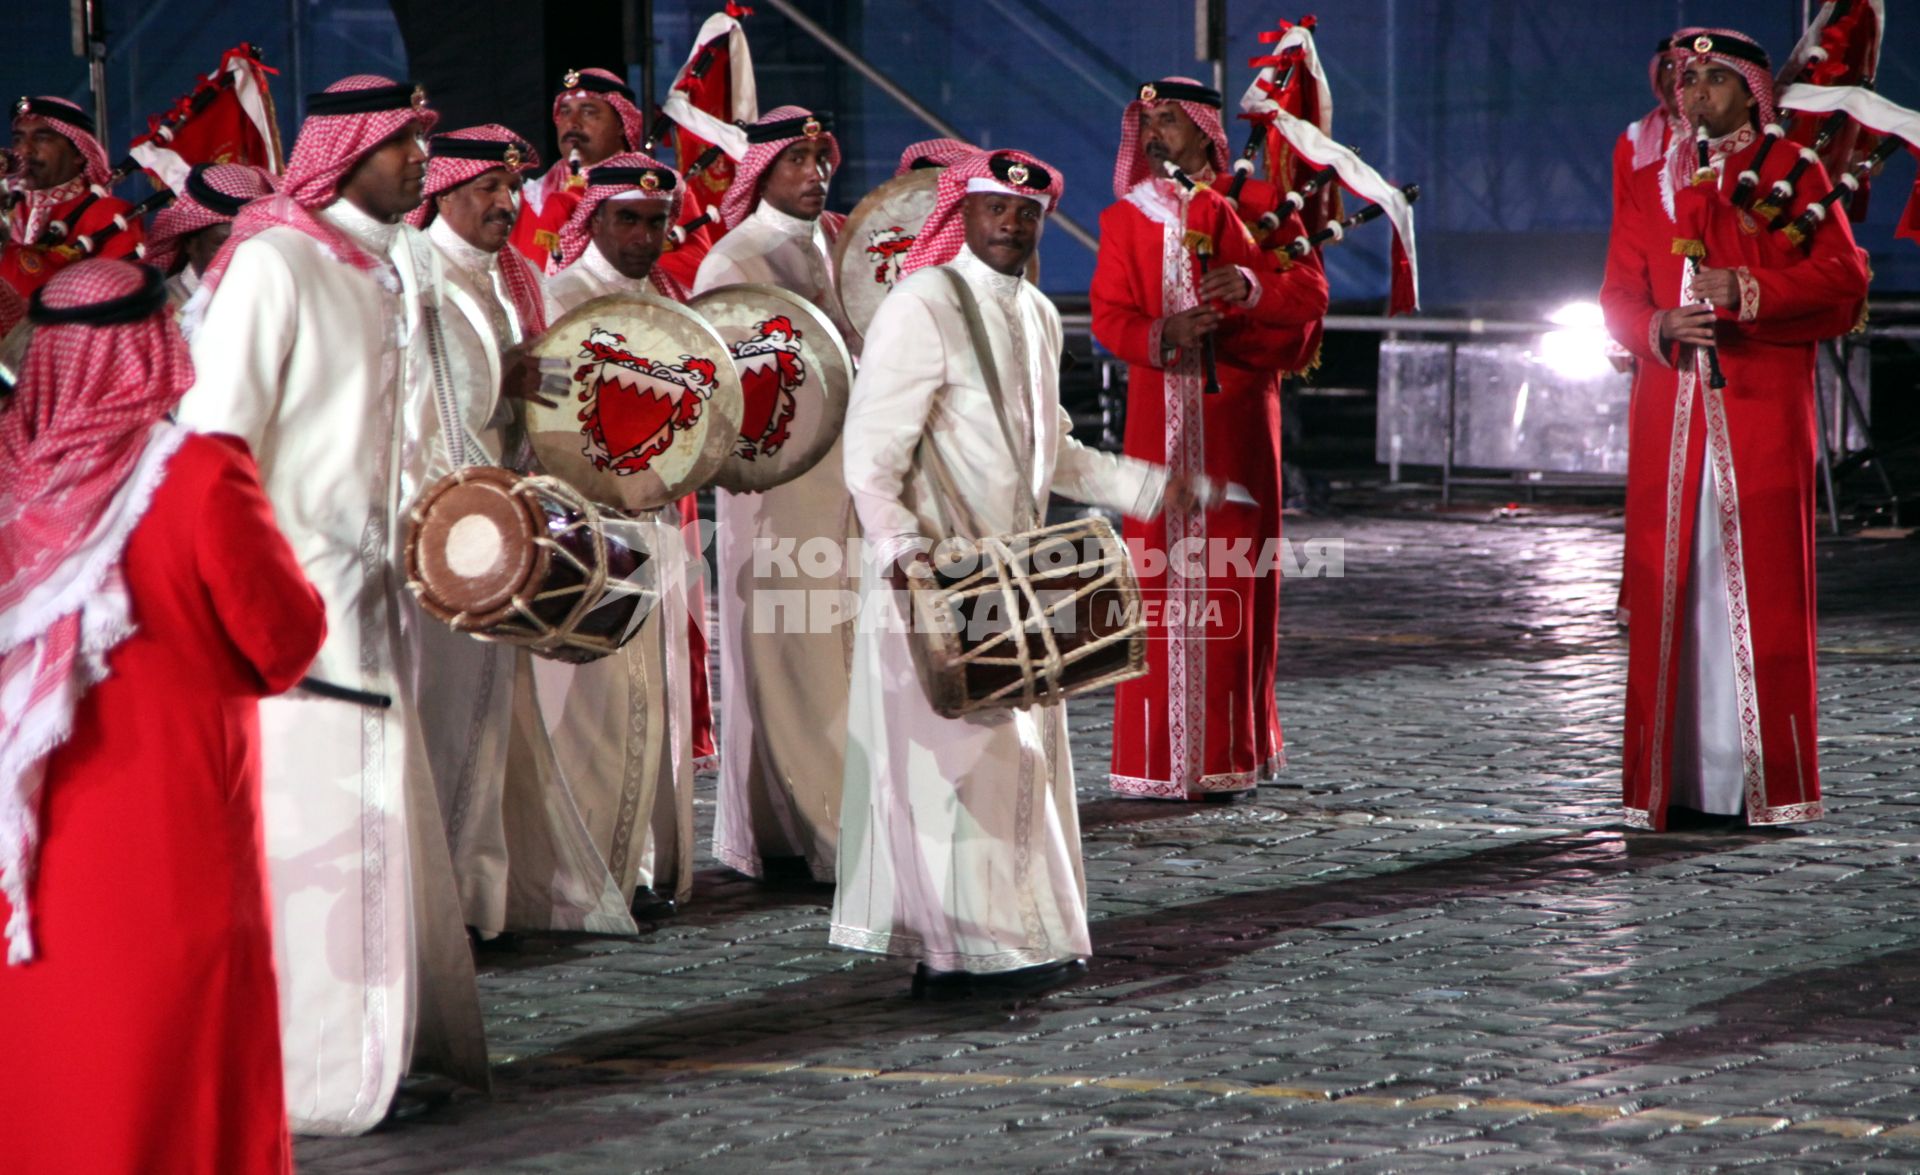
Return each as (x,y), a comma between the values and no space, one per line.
(465,688)
(959,840)
(623,725)
(785,635)
(312,361)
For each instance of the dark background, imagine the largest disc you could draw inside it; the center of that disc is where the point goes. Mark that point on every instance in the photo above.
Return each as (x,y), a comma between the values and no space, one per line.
(1504,113)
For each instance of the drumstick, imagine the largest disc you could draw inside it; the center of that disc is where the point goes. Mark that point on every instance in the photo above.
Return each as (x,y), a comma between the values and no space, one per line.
(341,693)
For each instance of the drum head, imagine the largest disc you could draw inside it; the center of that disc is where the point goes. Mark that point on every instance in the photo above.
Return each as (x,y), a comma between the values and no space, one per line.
(470,546)
(795,376)
(874,241)
(654,407)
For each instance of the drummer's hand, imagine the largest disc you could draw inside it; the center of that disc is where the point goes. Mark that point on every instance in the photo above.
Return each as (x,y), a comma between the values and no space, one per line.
(526,376)
(1184,493)
(912,565)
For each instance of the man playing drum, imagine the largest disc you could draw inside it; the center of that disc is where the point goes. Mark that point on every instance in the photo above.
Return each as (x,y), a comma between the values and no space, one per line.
(623,726)
(468,690)
(960,845)
(314,341)
(783,672)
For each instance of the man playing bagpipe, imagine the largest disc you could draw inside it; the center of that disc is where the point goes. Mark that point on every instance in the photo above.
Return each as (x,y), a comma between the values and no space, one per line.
(57,197)
(1722,313)
(1183,295)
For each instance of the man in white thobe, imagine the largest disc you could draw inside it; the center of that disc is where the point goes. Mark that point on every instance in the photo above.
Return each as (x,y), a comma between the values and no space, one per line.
(783,678)
(960,843)
(514,833)
(623,725)
(313,342)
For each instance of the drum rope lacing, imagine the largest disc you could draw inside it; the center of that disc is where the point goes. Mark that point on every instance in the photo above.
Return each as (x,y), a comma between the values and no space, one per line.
(1040,671)
(534,632)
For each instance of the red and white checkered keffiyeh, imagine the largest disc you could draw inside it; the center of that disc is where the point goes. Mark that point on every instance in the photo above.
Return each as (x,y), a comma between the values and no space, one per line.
(577,233)
(82,447)
(328,148)
(743,195)
(632,123)
(932,153)
(12,308)
(231,183)
(37,205)
(446,170)
(944,234)
(76,130)
(1652,139)
(1131,165)
(1682,154)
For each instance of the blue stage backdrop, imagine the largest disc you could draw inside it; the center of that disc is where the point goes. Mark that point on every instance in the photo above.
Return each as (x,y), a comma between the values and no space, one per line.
(1505,114)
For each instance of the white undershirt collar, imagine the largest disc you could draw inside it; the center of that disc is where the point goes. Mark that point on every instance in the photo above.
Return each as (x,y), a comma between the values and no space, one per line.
(976,270)
(597,266)
(373,235)
(789,226)
(462,252)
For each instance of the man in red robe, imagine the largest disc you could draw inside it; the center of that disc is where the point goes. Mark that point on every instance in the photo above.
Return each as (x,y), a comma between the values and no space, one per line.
(1644,144)
(58,210)
(1203,721)
(1720,687)
(595,118)
(147,602)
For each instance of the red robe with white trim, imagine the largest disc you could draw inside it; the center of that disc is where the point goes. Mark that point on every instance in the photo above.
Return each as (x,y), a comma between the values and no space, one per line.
(1203,719)
(1756,438)
(1623,195)
(145,1036)
(26,266)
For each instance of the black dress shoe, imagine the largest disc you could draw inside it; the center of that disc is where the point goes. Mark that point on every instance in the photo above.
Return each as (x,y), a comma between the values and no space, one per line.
(651,907)
(1218,797)
(929,984)
(1030,980)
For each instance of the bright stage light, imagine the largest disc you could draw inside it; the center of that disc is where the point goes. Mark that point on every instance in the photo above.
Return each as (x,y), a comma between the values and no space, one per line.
(1578,350)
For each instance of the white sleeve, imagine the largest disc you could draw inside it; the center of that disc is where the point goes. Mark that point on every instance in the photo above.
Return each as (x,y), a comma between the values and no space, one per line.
(903,371)
(241,349)
(717,269)
(1118,482)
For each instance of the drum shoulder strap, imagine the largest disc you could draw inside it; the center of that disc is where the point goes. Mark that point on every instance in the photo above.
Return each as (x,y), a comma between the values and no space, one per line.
(990,373)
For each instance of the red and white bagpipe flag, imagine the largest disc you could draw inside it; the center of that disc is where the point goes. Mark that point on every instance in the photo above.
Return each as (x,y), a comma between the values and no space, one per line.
(227,118)
(1888,125)
(711,99)
(1291,101)
(1290,78)
(1841,47)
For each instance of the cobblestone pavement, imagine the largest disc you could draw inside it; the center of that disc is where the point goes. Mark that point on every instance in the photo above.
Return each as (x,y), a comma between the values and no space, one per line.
(1434,948)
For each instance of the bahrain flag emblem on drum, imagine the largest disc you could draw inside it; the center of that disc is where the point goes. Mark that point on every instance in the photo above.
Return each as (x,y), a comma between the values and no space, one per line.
(633,405)
(771,371)
(886,249)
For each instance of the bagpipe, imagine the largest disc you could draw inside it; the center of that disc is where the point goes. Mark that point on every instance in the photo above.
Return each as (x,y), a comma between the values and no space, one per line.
(1828,108)
(1290,108)
(227,117)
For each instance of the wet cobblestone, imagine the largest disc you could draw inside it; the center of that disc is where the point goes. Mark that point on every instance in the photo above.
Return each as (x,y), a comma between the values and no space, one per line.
(1434,947)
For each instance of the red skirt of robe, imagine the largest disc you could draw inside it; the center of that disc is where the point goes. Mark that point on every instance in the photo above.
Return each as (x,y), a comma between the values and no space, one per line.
(1204,718)
(144,1038)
